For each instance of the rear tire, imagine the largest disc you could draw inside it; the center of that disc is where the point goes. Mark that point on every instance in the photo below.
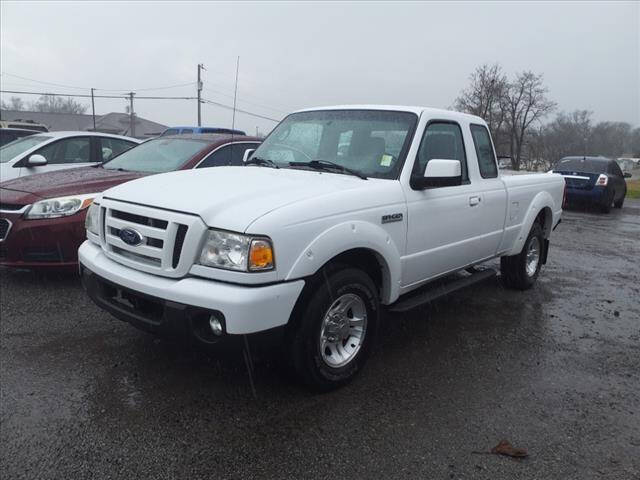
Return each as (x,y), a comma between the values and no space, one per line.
(521,271)
(620,202)
(329,346)
(606,206)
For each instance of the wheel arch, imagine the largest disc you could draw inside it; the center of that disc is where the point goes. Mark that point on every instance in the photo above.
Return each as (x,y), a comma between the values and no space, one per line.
(358,244)
(540,209)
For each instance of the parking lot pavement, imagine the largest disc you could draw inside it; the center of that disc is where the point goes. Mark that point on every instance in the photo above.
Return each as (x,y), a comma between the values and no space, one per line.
(555,370)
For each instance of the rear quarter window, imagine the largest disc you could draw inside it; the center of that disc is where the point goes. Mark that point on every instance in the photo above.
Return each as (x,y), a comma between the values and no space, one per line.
(484,151)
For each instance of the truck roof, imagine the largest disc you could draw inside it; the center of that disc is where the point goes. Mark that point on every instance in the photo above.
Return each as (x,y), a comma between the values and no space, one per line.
(397,108)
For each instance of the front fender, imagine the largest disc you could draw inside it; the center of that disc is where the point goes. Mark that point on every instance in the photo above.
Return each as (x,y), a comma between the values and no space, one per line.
(348,236)
(543,200)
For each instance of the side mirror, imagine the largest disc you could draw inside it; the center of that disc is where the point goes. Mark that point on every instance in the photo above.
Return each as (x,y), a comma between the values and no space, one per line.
(627,175)
(439,173)
(36,160)
(247,154)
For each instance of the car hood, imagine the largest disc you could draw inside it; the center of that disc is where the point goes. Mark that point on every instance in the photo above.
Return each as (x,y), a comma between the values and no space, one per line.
(73,181)
(232,198)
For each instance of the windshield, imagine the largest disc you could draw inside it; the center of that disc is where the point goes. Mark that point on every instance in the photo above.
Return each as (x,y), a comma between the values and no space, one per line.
(582,165)
(373,142)
(157,156)
(17,147)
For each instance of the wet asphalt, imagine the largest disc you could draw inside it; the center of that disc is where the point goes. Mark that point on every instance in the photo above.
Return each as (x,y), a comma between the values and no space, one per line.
(554,370)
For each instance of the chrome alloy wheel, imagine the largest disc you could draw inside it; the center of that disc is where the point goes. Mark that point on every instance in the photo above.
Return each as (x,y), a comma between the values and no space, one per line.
(533,256)
(343,330)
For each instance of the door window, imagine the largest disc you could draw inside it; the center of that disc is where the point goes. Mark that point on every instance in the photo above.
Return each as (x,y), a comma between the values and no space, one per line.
(442,141)
(229,155)
(111,147)
(68,150)
(484,151)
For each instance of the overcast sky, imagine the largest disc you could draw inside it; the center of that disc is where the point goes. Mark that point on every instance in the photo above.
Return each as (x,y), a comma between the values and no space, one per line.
(295,55)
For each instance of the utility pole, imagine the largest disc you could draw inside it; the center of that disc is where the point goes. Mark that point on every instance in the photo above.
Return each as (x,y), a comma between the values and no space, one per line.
(132,120)
(93,110)
(200,67)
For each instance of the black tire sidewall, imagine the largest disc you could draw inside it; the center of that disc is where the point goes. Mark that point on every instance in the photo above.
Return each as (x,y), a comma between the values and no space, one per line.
(307,358)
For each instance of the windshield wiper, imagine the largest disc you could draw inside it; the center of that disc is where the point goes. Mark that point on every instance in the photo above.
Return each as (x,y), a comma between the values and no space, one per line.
(329,165)
(262,161)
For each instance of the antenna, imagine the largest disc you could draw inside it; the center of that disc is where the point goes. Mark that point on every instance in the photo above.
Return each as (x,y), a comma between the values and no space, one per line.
(235,96)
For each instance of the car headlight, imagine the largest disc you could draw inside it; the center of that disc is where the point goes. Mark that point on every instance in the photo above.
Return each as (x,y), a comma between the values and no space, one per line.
(92,220)
(59,207)
(234,251)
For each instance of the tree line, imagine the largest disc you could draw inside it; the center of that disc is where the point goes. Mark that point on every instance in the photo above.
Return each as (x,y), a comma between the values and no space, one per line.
(45,103)
(515,110)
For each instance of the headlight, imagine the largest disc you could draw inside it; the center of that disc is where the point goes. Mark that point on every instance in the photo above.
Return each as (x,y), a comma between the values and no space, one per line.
(92,220)
(59,207)
(234,251)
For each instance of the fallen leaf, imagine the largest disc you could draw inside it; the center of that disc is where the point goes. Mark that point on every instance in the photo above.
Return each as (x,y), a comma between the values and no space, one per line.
(505,448)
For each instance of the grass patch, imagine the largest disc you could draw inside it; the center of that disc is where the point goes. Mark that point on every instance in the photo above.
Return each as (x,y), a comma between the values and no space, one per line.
(633,188)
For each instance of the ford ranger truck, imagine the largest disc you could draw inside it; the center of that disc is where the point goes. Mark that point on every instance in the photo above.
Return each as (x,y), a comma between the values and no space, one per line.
(339,213)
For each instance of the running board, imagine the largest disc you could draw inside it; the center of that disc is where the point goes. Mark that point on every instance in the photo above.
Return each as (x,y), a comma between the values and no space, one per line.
(438,289)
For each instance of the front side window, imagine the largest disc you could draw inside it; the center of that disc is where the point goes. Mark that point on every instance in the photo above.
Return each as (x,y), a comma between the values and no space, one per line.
(229,155)
(68,150)
(373,142)
(157,156)
(18,147)
(186,131)
(442,141)
(112,147)
(484,151)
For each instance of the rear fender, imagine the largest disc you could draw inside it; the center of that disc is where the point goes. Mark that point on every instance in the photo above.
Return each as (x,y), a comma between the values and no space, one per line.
(348,236)
(542,201)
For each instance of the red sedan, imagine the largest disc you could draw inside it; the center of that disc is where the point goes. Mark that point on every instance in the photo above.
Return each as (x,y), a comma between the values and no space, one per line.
(42,216)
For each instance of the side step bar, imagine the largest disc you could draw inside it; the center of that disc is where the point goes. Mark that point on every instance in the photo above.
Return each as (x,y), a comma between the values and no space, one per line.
(439,289)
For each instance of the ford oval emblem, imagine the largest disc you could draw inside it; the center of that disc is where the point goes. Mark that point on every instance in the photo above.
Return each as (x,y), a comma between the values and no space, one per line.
(130,236)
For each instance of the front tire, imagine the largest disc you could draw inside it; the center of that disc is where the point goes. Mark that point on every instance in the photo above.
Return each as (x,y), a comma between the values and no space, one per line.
(335,328)
(620,202)
(521,271)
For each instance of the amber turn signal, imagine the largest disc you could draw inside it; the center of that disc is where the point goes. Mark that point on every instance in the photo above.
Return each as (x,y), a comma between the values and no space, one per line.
(260,255)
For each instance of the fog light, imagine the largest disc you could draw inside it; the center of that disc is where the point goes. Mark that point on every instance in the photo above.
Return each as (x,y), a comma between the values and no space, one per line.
(216,325)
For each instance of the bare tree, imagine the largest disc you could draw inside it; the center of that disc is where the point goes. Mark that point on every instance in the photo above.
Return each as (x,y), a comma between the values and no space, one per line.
(55,104)
(483,97)
(524,103)
(15,103)
(611,139)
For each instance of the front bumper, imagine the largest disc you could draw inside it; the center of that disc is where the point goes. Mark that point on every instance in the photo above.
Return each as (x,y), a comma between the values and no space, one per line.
(182,306)
(44,243)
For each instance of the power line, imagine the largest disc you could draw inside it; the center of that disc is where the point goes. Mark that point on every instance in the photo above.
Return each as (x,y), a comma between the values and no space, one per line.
(127,96)
(101,89)
(229,107)
(82,95)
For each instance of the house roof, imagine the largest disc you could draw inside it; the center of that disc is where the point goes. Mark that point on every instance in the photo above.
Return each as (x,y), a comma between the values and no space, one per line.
(114,122)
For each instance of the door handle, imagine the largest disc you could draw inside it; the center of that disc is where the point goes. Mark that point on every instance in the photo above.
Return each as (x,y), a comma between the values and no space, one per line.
(473,201)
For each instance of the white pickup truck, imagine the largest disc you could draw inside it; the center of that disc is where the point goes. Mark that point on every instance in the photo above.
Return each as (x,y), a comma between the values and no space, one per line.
(339,212)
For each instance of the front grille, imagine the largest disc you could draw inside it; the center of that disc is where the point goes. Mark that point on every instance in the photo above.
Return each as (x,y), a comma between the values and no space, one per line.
(163,237)
(5,226)
(11,207)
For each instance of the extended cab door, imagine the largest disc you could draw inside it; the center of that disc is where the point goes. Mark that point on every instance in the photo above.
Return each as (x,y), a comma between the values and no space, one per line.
(451,227)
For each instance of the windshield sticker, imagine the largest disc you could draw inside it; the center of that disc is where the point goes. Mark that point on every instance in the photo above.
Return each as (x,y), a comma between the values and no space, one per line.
(385,160)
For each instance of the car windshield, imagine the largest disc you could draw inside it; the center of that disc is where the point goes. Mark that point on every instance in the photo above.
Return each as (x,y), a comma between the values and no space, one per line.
(17,147)
(372,142)
(582,164)
(157,156)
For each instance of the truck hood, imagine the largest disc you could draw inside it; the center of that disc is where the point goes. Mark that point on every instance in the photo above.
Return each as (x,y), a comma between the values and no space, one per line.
(73,181)
(232,198)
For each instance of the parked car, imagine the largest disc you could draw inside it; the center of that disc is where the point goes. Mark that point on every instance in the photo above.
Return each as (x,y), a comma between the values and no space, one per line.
(24,124)
(8,135)
(308,240)
(593,180)
(42,216)
(200,130)
(48,152)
